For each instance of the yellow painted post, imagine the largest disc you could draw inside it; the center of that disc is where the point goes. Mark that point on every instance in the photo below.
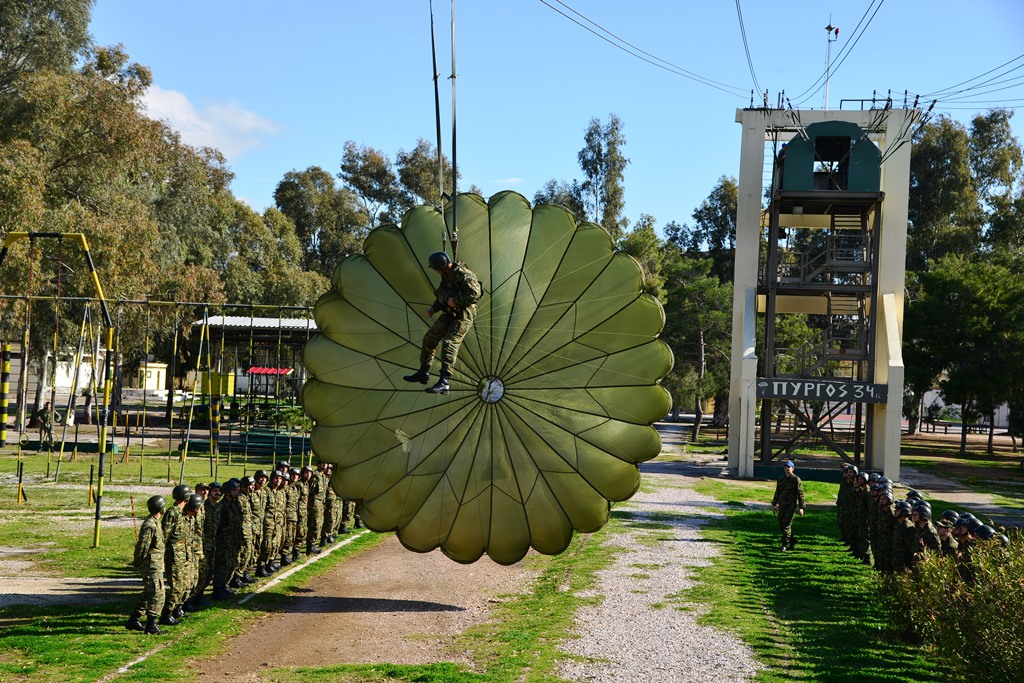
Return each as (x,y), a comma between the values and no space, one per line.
(5,387)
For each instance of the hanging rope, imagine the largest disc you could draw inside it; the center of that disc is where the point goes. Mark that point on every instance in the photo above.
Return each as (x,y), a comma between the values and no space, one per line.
(455,165)
(437,123)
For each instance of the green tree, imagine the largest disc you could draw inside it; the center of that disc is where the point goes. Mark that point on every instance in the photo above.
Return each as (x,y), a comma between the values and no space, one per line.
(417,174)
(698,324)
(643,244)
(561,193)
(369,174)
(38,35)
(714,228)
(604,168)
(328,220)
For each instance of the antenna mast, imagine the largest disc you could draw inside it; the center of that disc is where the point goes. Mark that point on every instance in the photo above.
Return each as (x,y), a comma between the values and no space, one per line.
(833,36)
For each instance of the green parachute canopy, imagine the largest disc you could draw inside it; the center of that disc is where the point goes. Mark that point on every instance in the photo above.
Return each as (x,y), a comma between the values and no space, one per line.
(552,399)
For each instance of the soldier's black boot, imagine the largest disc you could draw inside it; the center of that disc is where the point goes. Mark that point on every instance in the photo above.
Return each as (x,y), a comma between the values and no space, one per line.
(236,582)
(133,622)
(343,530)
(221,593)
(442,384)
(286,560)
(358,524)
(246,578)
(295,555)
(422,376)
(261,572)
(178,613)
(792,543)
(151,626)
(167,619)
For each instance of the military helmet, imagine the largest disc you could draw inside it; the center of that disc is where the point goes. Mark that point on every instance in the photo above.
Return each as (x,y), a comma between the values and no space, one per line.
(874,476)
(276,473)
(951,515)
(308,468)
(201,485)
(439,260)
(845,466)
(886,492)
(904,507)
(156,505)
(1003,539)
(216,485)
(247,480)
(261,473)
(282,465)
(853,470)
(984,532)
(924,511)
(973,525)
(195,501)
(231,485)
(913,494)
(294,472)
(181,492)
(864,475)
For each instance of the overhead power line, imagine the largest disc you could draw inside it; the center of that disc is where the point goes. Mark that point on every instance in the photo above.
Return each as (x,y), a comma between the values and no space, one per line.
(746,46)
(634,51)
(945,91)
(843,53)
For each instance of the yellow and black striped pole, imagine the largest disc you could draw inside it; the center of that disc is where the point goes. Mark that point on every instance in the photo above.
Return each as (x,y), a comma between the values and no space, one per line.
(5,387)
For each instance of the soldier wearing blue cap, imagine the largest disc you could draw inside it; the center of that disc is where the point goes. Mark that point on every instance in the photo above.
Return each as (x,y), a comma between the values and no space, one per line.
(787,502)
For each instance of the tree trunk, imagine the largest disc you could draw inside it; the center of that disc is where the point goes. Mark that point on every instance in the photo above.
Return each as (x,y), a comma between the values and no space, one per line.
(963,429)
(991,430)
(698,410)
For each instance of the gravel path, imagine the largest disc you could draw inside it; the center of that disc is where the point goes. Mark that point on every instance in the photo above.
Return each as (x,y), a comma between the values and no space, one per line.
(637,633)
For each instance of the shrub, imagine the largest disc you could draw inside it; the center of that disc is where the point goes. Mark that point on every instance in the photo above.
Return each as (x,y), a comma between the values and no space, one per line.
(973,628)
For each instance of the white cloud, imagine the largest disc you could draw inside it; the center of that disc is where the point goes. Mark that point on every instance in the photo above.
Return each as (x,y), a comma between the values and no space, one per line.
(224,125)
(508,181)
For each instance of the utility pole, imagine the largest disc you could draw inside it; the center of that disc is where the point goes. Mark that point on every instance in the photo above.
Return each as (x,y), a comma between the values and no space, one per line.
(832,36)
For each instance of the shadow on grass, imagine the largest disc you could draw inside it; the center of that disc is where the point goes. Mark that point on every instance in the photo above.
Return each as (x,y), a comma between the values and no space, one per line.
(824,604)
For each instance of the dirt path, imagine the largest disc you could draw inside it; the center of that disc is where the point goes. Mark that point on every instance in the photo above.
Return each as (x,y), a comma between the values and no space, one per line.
(386,604)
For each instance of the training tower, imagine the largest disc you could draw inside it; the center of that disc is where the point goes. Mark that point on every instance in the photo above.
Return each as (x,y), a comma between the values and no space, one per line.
(821,234)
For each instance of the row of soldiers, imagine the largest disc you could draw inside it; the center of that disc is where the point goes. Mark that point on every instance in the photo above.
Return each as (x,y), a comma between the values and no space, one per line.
(228,535)
(894,535)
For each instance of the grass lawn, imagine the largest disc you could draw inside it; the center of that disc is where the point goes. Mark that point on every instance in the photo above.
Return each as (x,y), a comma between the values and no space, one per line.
(811,614)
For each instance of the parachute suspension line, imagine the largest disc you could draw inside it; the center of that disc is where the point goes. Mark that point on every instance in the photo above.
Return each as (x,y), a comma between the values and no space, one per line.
(455,164)
(437,123)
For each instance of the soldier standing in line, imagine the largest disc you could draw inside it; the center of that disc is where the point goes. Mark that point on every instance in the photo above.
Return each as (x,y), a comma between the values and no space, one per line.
(258,502)
(263,564)
(209,525)
(850,510)
(330,509)
(302,511)
(231,539)
(241,574)
(194,524)
(788,501)
(862,501)
(455,299)
(927,538)
(175,556)
(291,517)
(949,546)
(280,483)
(316,497)
(904,539)
(886,531)
(149,561)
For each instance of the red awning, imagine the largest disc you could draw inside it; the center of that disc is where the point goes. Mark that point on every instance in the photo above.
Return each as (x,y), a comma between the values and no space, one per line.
(270,371)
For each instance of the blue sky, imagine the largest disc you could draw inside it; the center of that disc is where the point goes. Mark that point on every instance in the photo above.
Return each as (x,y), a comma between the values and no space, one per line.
(281,86)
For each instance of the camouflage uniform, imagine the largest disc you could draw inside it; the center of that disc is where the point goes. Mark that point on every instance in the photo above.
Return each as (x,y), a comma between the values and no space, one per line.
(842,507)
(280,519)
(177,556)
(316,497)
(301,516)
(210,518)
(196,555)
(873,521)
(884,538)
(926,540)
(351,511)
(788,498)
(244,554)
(331,510)
(903,544)
(149,561)
(291,520)
(231,540)
(861,547)
(267,543)
(458,283)
(950,547)
(258,504)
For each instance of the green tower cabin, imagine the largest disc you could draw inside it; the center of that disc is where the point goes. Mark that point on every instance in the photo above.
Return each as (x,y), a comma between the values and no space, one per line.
(825,245)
